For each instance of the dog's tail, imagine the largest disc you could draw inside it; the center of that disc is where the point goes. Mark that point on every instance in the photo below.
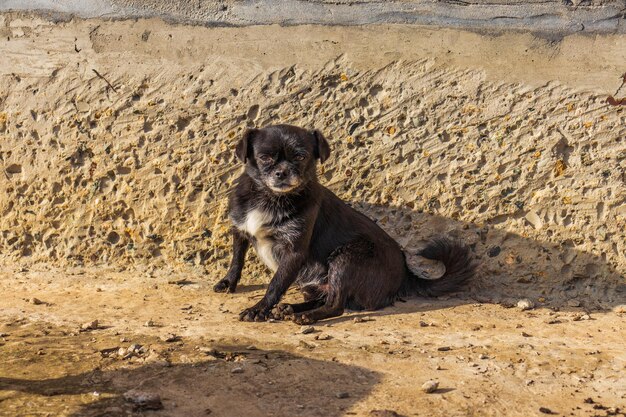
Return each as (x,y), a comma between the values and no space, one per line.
(457,259)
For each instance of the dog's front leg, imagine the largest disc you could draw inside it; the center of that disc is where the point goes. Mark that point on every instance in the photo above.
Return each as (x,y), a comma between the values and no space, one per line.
(283,278)
(240,247)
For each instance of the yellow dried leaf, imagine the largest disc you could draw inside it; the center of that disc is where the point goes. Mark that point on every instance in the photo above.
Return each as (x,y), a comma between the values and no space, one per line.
(391,130)
(559,168)
(588,124)
(567,200)
(370,126)
(570,107)
(537,154)
(344,77)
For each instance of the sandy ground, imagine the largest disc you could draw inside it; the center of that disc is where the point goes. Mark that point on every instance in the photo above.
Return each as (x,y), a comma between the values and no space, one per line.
(488,360)
(116,143)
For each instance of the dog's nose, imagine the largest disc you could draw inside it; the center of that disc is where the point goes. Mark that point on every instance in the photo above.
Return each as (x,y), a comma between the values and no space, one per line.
(280,174)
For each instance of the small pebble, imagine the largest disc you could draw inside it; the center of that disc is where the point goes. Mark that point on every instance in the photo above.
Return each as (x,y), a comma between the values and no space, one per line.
(323,336)
(307,329)
(237,371)
(149,323)
(525,304)
(92,325)
(36,301)
(430,386)
(443,348)
(483,356)
(342,395)
(169,337)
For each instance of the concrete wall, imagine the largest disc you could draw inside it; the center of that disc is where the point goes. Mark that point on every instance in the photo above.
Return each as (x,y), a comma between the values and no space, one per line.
(116,143)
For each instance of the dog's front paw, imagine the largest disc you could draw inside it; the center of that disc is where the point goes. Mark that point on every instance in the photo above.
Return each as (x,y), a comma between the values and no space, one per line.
(303,319)
(225,285)
(256,313)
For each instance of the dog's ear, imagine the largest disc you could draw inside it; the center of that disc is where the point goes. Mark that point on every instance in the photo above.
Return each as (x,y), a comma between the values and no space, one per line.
(322,149)
(244,147)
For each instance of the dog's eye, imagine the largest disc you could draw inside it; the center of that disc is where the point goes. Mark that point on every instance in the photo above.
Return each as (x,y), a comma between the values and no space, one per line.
(299,158)
(266,159)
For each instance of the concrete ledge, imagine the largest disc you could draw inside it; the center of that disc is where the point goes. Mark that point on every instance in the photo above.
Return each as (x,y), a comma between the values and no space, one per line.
(556,17)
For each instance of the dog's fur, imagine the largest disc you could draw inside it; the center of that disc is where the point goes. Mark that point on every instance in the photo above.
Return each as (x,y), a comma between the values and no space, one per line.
(306,235)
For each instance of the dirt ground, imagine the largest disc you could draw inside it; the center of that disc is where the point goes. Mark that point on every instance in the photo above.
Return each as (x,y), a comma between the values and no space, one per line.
(489,360)
(116,145)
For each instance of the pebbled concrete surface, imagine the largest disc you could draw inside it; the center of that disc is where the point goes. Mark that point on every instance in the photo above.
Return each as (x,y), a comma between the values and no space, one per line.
(557,17)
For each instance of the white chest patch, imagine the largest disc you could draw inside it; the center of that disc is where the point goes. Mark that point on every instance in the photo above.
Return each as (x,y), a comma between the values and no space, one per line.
(255,225)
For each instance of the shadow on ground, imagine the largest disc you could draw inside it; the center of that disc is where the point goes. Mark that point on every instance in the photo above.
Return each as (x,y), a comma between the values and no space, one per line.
(231,380)
(512,266)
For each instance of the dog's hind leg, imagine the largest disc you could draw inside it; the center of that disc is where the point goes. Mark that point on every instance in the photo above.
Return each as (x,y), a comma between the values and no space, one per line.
(333,304)
(324,312)
(284,310)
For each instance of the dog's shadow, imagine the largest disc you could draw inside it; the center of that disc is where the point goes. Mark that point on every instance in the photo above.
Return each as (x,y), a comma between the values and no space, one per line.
(510,266)
(266,382)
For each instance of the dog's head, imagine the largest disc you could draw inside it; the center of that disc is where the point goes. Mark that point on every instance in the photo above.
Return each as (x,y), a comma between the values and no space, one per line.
(282,157)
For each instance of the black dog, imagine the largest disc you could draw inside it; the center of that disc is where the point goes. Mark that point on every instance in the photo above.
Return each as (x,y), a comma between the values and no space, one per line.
(338,257)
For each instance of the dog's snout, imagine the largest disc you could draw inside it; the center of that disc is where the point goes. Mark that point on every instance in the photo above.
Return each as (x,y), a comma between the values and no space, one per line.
(280,173)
